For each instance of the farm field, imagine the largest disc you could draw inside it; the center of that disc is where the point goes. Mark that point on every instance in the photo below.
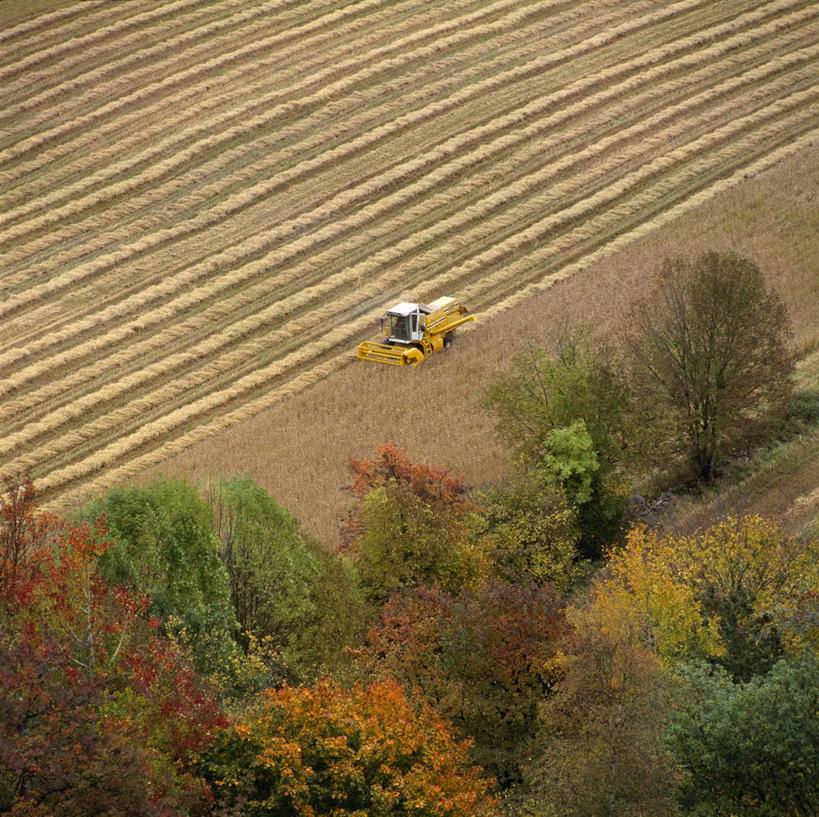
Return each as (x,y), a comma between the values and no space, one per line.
(204,207)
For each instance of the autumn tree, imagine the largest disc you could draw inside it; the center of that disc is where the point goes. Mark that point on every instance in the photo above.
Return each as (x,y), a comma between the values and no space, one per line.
(482,658)
(23,528)
(602,729)
(331,751)
(736,593)
(564,413)
(711,359)
(88,688)
(410,524)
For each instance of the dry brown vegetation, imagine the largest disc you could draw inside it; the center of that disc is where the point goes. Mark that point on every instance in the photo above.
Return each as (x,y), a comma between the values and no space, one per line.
(203,208)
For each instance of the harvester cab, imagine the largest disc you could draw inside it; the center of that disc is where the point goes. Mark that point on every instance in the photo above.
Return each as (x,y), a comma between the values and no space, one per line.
(412,331)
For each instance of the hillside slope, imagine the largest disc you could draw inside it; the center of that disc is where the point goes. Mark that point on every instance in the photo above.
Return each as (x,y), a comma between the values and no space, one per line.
(203,207)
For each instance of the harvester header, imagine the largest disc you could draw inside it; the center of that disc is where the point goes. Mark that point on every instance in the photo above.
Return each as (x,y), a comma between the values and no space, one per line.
(413,331)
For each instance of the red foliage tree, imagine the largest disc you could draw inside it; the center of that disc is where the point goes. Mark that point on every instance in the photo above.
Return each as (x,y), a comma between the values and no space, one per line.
(483,658)
(411,524)
(88,688)
(23,530)
(433,485)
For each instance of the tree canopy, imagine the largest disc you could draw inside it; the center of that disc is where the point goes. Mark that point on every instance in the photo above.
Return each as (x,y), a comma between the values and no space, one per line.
(711,358)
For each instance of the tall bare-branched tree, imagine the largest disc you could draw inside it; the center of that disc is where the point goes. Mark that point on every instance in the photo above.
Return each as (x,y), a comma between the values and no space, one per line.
(712,357)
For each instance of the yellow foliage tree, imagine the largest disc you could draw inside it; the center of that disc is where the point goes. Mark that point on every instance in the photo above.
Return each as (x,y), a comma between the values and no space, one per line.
(738,592)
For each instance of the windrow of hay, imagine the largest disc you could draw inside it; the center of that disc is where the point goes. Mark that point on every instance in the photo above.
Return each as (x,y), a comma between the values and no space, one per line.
(71,47)
(33,294)
(84,86)
(408,48)
(196,226)
(167,168)
(182,49)
(145,461)
(48,22)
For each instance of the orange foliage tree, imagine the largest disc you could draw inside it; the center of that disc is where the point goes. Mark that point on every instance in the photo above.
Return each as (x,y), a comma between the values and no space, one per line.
(331,750)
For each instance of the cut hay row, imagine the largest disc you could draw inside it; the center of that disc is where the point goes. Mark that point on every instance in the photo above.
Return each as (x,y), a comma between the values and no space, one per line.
(158,103)
(140,247)
(151,175)
(100,265)
(57,24)
(666,217)
(408,48)
(478,206)
(165,337)
(45,21)
(612,214)
(166,394)
(90,82)
(155,172)
(174,49)
(403,195)
(117,450)
(73,47)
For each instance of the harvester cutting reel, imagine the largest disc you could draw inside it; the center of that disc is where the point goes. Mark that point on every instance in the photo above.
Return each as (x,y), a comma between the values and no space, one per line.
(413,331)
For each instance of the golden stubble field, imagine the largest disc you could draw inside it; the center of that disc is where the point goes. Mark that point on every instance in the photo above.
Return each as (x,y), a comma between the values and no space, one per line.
(205,206)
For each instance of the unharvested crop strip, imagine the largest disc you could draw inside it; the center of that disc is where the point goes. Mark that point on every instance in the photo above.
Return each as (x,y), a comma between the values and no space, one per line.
(167,393)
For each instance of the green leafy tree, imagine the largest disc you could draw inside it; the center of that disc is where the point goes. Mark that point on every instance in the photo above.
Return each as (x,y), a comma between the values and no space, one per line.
(271,570)
(749,748)
(332,751)
(165,547)
(565,413)
(411,524)
(531,531)
(547,390)
(711,359)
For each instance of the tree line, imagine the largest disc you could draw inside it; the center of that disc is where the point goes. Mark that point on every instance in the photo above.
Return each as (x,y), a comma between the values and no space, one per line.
(524,649)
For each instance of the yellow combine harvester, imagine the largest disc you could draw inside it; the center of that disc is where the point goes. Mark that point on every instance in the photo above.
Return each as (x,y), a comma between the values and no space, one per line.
(415,330)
